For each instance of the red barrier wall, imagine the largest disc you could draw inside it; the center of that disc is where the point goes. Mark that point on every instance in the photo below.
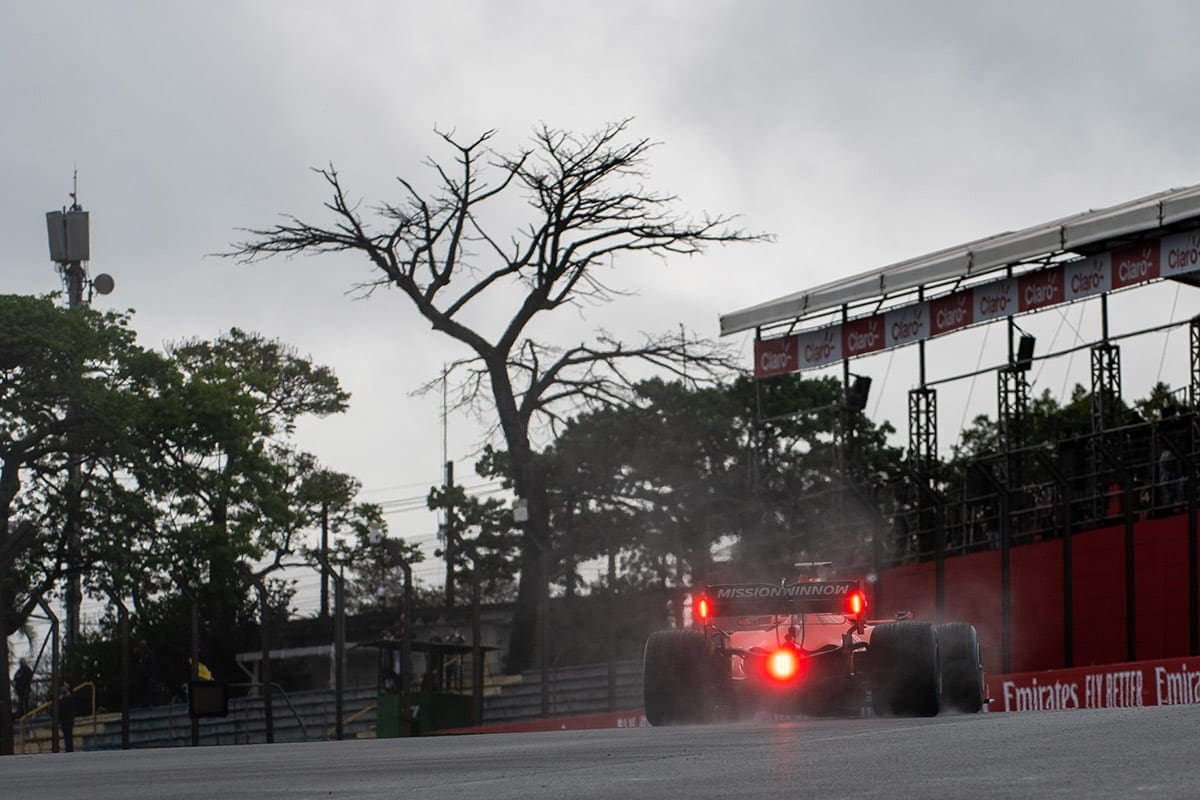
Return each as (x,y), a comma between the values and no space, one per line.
(972,585)
(1160,561)
(1099,583)
(973,595)
(1037,606)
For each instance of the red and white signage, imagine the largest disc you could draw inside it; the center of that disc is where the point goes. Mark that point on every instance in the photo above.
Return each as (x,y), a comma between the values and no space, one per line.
(1179,254)
(820,347)
(1159,682)
(1040,289)
(775,356)
(950,313)
(1133,265)
(995,300)
(906,325)
(1168,257)
(862,336)
(1087,277)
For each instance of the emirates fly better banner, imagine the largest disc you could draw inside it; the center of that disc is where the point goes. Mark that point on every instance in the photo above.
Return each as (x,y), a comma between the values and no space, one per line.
(1167,257)
(1160,682)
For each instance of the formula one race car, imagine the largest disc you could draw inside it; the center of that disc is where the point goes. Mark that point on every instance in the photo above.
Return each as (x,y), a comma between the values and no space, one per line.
(806,648)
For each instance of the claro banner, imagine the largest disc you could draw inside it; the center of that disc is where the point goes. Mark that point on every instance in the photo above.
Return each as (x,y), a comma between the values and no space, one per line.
(1062,283)
(1161,682)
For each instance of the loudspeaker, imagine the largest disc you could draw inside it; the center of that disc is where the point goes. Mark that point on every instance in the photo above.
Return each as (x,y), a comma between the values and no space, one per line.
(1024,353)
(856,396)
(207,699)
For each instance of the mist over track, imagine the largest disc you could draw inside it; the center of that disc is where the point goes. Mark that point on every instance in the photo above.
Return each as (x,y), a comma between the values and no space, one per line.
(1101,753)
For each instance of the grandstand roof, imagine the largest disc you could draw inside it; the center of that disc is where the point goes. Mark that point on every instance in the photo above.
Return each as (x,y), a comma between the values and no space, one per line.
(1078,234)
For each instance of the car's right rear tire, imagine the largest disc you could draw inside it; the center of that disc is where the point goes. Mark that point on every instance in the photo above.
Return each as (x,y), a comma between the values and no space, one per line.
(961,667)
(905,680)
(679,678)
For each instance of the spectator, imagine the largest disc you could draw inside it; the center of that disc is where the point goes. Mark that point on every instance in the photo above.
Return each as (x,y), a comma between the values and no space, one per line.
(22,683)
(1170,480)
(66,716)
(434,662)
(146,673)
(454,667)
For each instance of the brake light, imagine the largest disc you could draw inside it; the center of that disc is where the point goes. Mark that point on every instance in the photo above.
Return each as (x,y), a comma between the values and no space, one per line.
(783,664)
(703,608)
(856,603)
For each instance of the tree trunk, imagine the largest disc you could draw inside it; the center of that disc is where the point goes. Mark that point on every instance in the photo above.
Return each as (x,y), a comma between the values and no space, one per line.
(523,634)
(6,715)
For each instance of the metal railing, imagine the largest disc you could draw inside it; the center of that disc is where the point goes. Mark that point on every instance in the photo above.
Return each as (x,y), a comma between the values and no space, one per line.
(22,741)
(1048,490)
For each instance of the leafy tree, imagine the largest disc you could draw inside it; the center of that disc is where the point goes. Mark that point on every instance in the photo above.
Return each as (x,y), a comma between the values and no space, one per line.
(227,485)
(680,474)
(485,530)
(71,383)
(586,208)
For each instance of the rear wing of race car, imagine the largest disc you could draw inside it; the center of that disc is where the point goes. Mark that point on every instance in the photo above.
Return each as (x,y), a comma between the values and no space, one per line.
(806,597)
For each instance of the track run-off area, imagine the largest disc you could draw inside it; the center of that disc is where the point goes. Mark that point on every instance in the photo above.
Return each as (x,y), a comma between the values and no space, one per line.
(1152,752)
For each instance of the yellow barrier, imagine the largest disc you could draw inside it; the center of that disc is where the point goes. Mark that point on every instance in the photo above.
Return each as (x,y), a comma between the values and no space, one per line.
(329,734)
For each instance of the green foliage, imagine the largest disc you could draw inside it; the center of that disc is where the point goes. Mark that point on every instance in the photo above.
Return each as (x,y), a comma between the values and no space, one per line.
(485,529)
(73,385)
(187,475)
(681,475)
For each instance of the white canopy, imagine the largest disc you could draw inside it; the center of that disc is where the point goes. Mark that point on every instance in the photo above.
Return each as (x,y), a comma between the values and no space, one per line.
(1065,235)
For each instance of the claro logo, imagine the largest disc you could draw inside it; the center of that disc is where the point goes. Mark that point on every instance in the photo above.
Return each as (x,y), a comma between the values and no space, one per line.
(1041,293)
(994,302)
(858,341)
(1087,282)
(819,351)
(1134,265)
(952,317)
(772,360)
(1134,270)
(907,328)
(1184,258)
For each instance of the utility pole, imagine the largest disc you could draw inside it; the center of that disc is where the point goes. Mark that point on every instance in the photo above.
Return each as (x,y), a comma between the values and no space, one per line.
(448,533)
(324,556)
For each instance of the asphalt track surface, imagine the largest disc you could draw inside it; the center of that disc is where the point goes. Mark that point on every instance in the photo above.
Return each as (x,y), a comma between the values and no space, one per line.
(1151,752)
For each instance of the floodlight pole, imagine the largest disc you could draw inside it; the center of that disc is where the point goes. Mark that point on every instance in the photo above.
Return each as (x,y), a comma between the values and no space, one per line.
(406,650)
(461,545)
(264,664)
(195,721)
(54,670)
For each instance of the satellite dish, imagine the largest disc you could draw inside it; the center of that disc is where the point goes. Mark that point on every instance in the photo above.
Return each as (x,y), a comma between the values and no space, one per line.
(103,283)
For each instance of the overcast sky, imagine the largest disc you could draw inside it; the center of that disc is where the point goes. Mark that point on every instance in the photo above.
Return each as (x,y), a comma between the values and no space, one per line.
(860,134)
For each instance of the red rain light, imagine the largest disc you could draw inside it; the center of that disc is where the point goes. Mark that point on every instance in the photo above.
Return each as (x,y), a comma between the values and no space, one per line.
(783,664)
(856,603)
(703,608)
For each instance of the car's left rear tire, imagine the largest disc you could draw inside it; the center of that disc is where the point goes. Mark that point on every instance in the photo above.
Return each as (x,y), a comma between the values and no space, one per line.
(680,682)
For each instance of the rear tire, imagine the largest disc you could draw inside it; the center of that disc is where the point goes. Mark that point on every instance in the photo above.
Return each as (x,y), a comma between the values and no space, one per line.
(905,680)
(679,677)
(961,667)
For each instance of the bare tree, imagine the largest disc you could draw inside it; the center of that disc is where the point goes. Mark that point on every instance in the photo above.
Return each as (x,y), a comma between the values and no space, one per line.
(586,207)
